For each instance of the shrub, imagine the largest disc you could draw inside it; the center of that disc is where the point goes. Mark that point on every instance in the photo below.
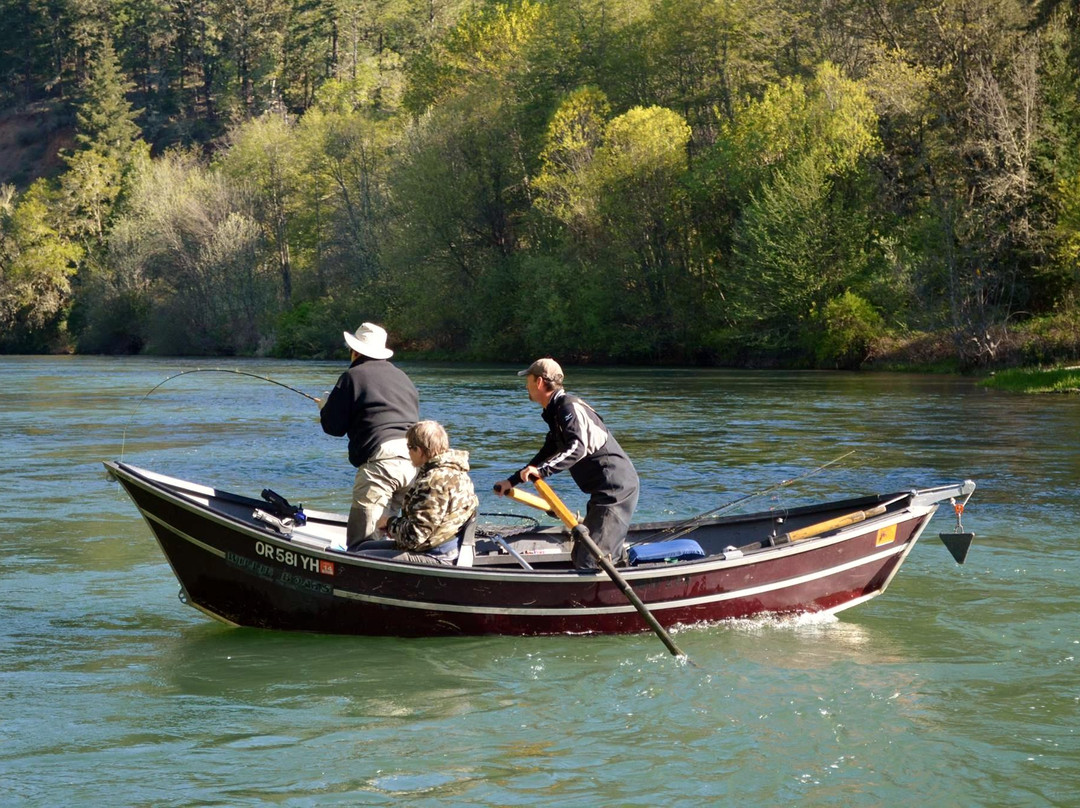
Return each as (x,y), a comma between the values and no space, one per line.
(848,328)
(309,330)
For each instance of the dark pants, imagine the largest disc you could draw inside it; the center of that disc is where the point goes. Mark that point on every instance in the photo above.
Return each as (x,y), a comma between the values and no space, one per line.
(607,517)
(386,549)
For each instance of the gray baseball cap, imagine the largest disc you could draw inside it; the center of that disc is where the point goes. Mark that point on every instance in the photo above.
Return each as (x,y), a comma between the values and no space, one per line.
(547,369)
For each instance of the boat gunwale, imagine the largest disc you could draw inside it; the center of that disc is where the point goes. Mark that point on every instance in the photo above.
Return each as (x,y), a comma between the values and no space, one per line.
(656,605)
(160,488)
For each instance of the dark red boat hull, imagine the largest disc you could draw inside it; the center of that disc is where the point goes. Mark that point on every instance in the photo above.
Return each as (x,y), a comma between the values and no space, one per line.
(251,577)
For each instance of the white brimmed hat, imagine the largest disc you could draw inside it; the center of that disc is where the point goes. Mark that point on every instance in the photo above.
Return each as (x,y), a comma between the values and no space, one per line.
(370,341)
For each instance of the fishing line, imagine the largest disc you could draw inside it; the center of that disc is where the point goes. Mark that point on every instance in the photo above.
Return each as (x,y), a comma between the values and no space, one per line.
(123,443)
(683,528)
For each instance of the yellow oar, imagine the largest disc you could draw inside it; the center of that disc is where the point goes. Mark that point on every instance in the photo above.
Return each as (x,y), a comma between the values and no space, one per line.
(581,533)
(525,498)
(830,524)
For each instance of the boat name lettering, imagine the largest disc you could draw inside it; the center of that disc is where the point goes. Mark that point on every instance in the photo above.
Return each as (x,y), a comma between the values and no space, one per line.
(290,557)
(251,565)
(306,584)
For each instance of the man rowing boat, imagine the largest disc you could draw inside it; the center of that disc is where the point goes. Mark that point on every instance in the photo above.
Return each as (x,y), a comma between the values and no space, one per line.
(579,441)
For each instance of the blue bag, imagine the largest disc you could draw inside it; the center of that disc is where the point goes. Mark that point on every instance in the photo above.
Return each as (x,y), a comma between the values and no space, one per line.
(666,551)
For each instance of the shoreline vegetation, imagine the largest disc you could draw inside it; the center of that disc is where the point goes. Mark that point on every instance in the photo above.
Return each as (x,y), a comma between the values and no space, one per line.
(620,182)
(1040,343)
(1036,380)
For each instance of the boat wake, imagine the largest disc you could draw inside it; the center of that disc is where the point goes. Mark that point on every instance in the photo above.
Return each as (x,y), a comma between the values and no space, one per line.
(807,623)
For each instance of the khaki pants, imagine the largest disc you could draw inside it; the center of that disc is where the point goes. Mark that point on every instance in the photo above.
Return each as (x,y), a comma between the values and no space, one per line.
(379,486)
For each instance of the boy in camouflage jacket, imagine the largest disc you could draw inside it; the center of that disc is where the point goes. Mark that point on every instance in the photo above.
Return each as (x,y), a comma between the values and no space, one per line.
(438,502)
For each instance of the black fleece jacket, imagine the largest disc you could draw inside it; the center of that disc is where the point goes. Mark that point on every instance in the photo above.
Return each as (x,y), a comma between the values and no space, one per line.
(372,402)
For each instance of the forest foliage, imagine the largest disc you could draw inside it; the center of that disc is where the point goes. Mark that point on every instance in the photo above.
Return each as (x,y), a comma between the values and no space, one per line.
(710,181)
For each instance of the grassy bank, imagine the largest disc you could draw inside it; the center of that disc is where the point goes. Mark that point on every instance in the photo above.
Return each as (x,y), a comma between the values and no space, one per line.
(1036,380)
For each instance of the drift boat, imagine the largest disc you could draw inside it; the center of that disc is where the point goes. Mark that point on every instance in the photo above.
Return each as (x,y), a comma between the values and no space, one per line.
(266,563)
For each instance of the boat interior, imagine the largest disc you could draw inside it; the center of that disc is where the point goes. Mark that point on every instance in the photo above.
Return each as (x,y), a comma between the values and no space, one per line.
(499,540)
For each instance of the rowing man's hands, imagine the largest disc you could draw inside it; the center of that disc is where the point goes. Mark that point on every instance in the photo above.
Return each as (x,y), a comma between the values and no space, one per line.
(503,487)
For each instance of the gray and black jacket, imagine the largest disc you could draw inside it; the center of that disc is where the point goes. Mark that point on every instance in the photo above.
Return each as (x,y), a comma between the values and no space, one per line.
(579,441)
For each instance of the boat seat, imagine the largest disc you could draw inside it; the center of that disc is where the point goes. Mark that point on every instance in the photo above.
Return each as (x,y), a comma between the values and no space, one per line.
(466,543)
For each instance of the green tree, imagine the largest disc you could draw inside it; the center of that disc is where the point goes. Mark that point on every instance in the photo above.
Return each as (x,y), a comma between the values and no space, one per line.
(344,192)
(1059,156)
(28,38)
(461,187)
(251,32)
(796,247)
(639,169)
(309,51)
(565,183)
(486,44)
(616,188)
(459,200)
(263,157)
(829,119)
(36,267)
(105,121)
(108,146)
(969,218)
(199,66)
(190,243)
(700,58)
(848,326)
(803,232)
(1068,232)
(145,39)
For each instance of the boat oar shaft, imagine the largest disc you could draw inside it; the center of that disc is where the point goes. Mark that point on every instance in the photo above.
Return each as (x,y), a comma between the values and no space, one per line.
(831,524)
(525,498)
(581,533)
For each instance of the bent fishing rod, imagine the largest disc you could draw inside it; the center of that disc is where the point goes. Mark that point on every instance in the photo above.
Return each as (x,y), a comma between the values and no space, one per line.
(206,370)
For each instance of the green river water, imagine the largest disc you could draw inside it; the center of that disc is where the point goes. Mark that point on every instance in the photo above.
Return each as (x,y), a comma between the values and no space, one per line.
(958,687)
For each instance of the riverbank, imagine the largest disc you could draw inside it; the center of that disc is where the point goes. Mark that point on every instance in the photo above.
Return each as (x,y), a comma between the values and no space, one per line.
(1033,347)
(1038,356)
(1029,351)
(1036,380)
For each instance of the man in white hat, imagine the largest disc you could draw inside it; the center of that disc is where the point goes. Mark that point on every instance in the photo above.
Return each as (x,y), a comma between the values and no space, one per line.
(374,403)
(579,442)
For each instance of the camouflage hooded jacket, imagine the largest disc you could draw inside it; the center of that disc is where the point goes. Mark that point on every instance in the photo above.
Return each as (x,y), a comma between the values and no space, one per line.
(437,503)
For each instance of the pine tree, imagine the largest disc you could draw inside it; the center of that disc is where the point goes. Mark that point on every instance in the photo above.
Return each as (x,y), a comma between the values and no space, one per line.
(108,146)
(105,119)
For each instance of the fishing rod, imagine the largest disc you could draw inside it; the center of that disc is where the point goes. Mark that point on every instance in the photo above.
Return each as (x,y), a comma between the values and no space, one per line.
(683,528)
(206,370)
